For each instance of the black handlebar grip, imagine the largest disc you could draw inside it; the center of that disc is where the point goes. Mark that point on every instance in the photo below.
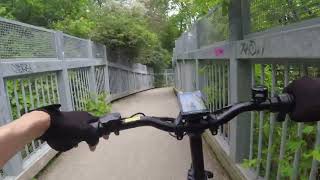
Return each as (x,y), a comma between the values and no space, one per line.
(283,104)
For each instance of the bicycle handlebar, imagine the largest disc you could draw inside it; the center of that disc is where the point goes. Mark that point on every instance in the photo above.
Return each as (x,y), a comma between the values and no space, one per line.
(114,123)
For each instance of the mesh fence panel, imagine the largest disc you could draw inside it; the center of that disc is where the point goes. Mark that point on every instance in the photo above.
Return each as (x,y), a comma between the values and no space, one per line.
(124,81)
(270,13)
(24,41)
(113,80)
(213,28)
(131,81)
(75,47)
(28,93)
(179,45)
(97,50)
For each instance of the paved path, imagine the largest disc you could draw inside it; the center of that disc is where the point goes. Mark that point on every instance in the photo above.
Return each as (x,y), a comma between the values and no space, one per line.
(138,154)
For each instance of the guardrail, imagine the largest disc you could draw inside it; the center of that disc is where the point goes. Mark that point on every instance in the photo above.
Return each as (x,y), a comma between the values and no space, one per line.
(226,67)
(40,67)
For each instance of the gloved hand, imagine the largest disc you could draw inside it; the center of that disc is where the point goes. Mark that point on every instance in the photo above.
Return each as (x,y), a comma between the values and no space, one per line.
(67,129)
(306,92)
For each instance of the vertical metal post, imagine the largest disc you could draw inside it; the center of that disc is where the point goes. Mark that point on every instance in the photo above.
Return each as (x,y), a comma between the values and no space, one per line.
(106,71)
(178,75)
(297,155)
(240,83)
(63,79)
(14,165)
(284,130)
(92,78)
(166,74)
(246,23)
(197,74)
(183,75)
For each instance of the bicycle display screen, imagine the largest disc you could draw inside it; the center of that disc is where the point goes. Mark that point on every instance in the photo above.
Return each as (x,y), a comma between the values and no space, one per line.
(191,102)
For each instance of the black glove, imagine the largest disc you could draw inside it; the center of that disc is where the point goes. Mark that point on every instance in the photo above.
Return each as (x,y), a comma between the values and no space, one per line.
(306,92)
(67,129)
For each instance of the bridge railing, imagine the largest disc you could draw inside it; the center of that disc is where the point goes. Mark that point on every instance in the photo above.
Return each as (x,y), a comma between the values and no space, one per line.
(165,78)
(40,67)
(266,43)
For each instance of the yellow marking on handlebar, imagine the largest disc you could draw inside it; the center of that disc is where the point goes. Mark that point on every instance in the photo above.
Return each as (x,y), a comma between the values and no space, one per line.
(135,118)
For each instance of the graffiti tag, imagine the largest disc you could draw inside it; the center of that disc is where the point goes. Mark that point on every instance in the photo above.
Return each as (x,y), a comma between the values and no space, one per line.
(250,48)
(219,52)
(22,68)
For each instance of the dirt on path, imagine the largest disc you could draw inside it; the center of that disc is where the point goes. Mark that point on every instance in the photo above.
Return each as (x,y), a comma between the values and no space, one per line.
(138,154)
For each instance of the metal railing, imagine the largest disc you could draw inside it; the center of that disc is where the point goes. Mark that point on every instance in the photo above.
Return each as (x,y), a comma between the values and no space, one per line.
(225,71)
(165,79)
(39,67)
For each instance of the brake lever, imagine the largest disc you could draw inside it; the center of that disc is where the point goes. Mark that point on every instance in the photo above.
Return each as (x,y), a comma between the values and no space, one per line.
(108,124)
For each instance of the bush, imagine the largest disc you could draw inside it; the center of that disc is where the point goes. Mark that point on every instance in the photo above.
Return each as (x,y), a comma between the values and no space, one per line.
(97,105)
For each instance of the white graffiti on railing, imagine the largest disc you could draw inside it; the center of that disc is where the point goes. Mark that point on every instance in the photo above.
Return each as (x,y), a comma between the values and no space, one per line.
(22,68)
(250,48)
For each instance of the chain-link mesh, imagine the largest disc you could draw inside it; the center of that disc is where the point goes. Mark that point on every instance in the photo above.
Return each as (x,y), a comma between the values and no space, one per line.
(97,50)
(25,41)
(179,45)
(270,13)
(75,47)
(213,28)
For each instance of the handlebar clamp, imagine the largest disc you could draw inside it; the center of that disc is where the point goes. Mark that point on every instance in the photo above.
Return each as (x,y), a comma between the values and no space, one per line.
(259,94)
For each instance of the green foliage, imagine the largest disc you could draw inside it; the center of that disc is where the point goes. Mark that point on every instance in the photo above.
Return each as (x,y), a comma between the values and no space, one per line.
(278,13)
(27,94)
(144,36)
(293,142)
(80,27)
(43,13)
(97,105)
(191,10)
(250,163)
(127,29)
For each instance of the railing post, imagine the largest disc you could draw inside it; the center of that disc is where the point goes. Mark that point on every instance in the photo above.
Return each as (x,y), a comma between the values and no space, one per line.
(179,63)
(106,70)
(197,74)
(92,77)
(240,84)
(166,74)
(14,166)
(63,78)
(118,83)
(245,14)
(134,81)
